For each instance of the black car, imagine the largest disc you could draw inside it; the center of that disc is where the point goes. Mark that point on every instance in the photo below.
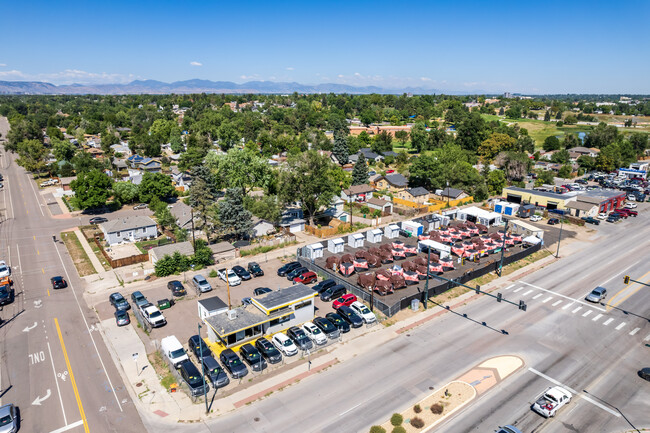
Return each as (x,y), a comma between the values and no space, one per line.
(591,220)
(296,272)
(233,364)
(327,327)
(612,218)
(214,372)
(255,269)
(299,338)
(268,350)
(177,288)
(350,316)
(338,321)
(58,283)
(287,268)
(553,221)
(261,290)
(644,373)
(253,357)
(196,344)
(332,293)
(324,285)
(192,376)
(7,294)
(118,301)
(98,220)
(241,272)
(582,181)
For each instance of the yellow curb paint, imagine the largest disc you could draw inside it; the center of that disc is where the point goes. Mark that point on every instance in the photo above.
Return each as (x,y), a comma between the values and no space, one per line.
(72,380)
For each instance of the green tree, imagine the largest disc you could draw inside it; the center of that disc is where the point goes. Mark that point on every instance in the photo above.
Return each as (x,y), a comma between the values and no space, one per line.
(471,132)
(306,178)
(495,143)
(525,143)
(383,142)
(91,189)
(570,119)
(125,192)
(164,217)
(235,220)
(202,254)
(63,150)
(601,136)
(84,162)
(402,136)
(418,136)
(547,116)
(266,207)
(639,142)
(155,185)
(54,133)
(203,195)
(32,155)
(565,171)
(587,162)
(367,116)
(551,143)
(514,112)
(176,141)
(228,135)
(240,168)
(340,149)
(561,156)
(496,181)
(360,171)
(570,141)
(558,115)
(160,130)
(514,164)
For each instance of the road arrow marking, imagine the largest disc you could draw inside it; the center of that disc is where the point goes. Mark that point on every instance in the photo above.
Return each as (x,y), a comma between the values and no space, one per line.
(39,400)
(29,328)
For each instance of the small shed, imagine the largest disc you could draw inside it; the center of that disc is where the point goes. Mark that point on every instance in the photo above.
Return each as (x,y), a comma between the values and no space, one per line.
(500,206)
(356,240)
(335,246)
(315,251)
(374,236)
(413,227)
(511,209)
(211,307)
(391,231)
(526,211)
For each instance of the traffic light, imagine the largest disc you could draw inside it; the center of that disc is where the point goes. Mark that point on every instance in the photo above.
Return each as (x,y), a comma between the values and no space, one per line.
(499,297)
(626,279)
(478,289)
(522,305)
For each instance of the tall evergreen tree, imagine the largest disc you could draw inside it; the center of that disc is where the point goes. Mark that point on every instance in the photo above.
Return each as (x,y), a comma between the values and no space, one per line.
(547,116)
(360,171)
(234,218)
(341,149)
(202,198)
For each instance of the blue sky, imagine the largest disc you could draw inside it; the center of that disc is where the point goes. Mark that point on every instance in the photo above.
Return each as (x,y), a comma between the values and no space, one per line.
(493,46)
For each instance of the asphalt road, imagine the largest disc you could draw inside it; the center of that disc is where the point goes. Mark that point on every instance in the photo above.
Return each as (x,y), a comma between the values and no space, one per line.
(54,365)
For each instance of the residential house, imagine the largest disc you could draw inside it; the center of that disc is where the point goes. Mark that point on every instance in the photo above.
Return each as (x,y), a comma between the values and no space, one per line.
(337,210)
(262,227)
(183,215)
(372,180)
(65,182)
(129,229)
(417,195)
(384,206)
(157,253)
(147,164)
(96,153)
(119,164)
(292,219)
(452,194)
(222,251)
(584,151)
(357,193)
(370,155)
(393,182)
(390,153)
(181,179)
(122,148)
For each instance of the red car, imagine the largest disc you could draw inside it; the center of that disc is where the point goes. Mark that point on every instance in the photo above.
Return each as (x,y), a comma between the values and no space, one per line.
(306,278)
(345,300)
(628,212)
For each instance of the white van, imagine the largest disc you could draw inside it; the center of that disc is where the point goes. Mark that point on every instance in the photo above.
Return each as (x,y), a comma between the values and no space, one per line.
(173,350)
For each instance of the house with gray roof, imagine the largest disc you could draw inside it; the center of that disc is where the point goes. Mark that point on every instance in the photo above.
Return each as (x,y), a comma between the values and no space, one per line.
(417,195)
(393,182)
(129,229)
(157,253)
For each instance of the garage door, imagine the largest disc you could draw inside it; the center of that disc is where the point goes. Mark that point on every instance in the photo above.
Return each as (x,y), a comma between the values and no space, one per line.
(514,198)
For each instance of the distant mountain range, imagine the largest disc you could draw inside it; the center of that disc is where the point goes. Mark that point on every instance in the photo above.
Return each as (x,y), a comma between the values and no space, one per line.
(199,86)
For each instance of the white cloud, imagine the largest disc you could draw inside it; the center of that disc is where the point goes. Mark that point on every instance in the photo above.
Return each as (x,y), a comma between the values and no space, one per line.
(70,76)
(356,74)
(340,75)
(290,68)
(11,74)
(425,79)
(196,64)
(2,65)
(249,77)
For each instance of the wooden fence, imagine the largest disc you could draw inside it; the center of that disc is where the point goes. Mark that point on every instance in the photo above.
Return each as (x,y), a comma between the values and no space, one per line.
(325,232)
(435,206)
(125,261)
(286,238)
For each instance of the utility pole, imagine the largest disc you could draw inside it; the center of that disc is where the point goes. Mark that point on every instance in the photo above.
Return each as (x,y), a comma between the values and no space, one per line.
(205,392)
(557,255)
(448,192)
(426,285)
(193,239)
(228,287)
(503,247)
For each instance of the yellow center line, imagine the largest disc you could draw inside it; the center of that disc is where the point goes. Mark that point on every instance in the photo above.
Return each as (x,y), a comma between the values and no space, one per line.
(43,269)
(48,292)
(38,253)
(34,237)
(611,305)
(72,380)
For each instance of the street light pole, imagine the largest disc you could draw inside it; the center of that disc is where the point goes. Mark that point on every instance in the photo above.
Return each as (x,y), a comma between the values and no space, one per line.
(228,287)
(503,247)
(426,285)
(205,392)
(557,254)
(448,193)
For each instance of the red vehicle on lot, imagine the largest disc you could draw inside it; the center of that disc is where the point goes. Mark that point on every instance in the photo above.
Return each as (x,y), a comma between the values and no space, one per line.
(306,278)
(628,212)
(346,300)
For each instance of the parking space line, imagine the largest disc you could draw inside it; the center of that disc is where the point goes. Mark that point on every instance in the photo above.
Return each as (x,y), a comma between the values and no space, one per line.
(517,290)
(528,293)
(509,287)
(597,317)
(547,299)
(557,303)
(635,331)
(618,328)
(537,296)
(587,313)
(563,296)
(574,392)
(576,310)
(567,306)
(608,321)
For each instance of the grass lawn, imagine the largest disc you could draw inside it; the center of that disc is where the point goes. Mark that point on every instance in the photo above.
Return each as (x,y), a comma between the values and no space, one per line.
(78,254)
(540,130)
(69,203)
(145,246)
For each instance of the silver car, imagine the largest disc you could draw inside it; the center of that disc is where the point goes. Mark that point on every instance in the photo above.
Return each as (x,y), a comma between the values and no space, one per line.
(597,295)
(201,284)
(8,419)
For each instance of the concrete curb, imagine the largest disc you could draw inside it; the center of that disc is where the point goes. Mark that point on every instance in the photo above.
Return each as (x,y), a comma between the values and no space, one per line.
(453,411)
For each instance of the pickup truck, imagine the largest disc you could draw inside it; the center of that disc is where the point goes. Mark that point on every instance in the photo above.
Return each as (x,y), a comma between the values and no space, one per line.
(152,315)
(229,276)
(49,182)
(551,401)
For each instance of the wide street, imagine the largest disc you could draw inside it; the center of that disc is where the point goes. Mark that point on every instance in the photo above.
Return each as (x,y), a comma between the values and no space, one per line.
(55,366)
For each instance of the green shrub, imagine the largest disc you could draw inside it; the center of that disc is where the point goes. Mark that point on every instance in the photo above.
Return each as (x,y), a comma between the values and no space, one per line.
(417,422)
(399,429)
(396,419)
(417,408)
(377,429)
(213,274)
(437,409)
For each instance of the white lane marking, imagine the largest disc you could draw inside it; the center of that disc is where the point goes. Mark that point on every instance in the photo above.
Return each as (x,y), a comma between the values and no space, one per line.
(647,338)
(574,392)
(597,317)
(567,306)
(351,409)
(20,267)
(576,310)
(547,299)
(563,296)
(110,383)
(556,303)
(68,427)
(58,390)
(517,290)
(618,328)
(38,202)
(509,287)
(537,296)
(587,313)
(616,275)
(608,321)
(11,201)
(635,331)
(528,293)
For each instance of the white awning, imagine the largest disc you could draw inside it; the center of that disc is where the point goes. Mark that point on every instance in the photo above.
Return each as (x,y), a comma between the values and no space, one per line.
(534,240)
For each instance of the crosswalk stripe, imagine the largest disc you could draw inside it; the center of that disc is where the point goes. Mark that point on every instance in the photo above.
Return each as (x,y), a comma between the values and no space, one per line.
(608,321)
(587,313)
(557,303)
(509,287)
(537,296)
(635,331)
(519,289)
(567,306)
(597,317)
(620,326)
(647,338)
(576,310)
(527,293)
(547,299)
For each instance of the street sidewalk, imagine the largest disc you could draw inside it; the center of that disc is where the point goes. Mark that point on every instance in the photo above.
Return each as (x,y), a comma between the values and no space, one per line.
(89,251)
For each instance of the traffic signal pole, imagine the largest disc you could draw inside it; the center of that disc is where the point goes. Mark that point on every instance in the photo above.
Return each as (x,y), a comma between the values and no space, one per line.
(499,297)
(627,279)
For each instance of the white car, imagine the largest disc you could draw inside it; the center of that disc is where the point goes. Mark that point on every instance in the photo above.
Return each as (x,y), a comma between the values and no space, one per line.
(631,198)
(553,399)
(5,271)
(602,216)
(153,315)
(535,218)
(284,344)
(363,312)
(314,333)
(230,276)
(630,205)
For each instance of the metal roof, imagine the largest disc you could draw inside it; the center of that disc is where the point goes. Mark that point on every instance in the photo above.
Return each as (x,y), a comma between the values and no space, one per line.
(127,223)
(539,193)
(280,297)
(213,303)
